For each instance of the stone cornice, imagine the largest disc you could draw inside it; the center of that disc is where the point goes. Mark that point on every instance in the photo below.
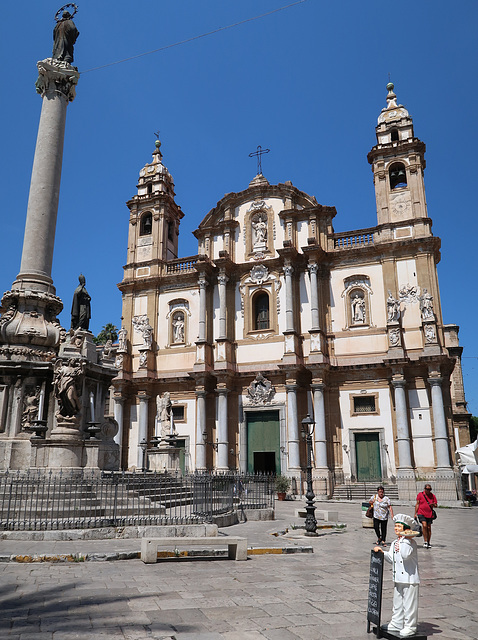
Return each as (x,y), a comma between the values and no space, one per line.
(397,150)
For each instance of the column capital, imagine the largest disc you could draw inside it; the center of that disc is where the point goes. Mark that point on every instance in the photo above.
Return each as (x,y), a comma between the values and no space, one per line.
(291,386)
(56,76)
(142,395)
(202,282)
(222,279)
(288,270)
(313,267)
(399,384)
(222,391)
(319,386)
(435,382)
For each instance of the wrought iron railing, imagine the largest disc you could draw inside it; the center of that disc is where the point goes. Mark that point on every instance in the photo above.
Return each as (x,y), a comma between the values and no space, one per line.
(40,500)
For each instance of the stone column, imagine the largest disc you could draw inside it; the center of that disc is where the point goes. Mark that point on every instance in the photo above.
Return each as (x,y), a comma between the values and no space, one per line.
(404,467)
(142,425)
(118,414)
(200,430)
(314,297)
(320,431)
(293,427)
(222,281)
(289,303)
(439,422)
(202,308)
(222,431)
(56,84)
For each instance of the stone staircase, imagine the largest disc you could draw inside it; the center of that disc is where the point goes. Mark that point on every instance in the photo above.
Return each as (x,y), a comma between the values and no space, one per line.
(363,490)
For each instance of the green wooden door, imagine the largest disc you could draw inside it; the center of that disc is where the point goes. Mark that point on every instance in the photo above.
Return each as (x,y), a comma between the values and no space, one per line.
(263,442)
(367,450)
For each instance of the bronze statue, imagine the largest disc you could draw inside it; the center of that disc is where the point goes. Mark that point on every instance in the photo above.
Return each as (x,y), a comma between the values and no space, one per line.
(81,308)
(65,34)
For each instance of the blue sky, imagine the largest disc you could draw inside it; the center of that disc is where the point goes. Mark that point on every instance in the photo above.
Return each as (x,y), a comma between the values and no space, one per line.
(307,82)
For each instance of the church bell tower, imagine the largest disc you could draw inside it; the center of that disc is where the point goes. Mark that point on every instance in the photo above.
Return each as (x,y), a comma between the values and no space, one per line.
(154,216)
(398,163)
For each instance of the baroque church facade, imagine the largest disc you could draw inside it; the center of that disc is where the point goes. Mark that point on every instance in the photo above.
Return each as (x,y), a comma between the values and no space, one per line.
(278,316)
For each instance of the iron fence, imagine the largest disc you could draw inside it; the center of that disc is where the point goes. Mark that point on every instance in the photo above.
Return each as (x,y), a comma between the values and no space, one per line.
(39,500)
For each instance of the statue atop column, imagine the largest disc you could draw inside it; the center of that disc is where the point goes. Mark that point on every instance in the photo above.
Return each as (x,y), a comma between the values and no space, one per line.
(81,308)
(65,34)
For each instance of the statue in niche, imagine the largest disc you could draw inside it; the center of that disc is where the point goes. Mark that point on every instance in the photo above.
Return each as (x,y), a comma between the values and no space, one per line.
(65,35)
(178,328)
(358,309)
(81,307)
(259,228)
(393,308)
(163,413)
(66,377)
(426,306)
(31,401)
(122,333)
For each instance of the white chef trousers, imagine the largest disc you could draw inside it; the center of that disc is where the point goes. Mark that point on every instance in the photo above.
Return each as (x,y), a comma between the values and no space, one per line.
(405,606)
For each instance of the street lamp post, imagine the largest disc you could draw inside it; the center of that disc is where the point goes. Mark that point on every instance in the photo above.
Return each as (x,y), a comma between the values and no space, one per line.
(308,426)
(144,445)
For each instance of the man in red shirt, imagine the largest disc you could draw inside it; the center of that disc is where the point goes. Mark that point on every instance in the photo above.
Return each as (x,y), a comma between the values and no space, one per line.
(426,501)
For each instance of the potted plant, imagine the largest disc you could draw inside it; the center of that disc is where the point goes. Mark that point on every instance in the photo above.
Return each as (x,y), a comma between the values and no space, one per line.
(282,485)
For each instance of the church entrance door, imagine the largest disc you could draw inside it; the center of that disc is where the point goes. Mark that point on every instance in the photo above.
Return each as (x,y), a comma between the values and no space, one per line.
(367,450)
(263,442)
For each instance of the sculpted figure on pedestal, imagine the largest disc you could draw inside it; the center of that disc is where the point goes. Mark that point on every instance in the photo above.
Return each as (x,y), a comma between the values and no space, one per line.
(122,346)
(81,308)
(67,375)
(426,306)
(358,309)
(65,35)
(393,308)
(163,414)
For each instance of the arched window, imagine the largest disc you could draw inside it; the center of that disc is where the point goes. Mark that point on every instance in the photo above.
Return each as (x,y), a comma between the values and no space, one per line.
(149,187)
(261,311)
(398,176)
(146,225)
(394,135)
(170,231)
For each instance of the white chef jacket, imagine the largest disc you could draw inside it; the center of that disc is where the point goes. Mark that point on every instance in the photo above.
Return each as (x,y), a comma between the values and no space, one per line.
(404,561)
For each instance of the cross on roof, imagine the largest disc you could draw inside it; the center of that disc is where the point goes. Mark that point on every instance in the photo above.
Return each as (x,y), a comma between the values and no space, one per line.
(259,153)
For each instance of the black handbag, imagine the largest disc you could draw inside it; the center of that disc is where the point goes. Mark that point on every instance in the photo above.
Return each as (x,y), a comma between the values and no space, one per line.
(434,513)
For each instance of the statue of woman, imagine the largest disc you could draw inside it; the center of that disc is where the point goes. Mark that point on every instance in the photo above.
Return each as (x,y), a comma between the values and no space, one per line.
(64,382)
(65,34)
(358,309)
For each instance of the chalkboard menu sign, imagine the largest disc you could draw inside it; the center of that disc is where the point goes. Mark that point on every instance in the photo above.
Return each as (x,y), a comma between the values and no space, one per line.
(374,606)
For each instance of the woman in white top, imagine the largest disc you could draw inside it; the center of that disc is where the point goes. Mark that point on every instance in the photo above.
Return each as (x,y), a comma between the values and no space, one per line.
(382,508)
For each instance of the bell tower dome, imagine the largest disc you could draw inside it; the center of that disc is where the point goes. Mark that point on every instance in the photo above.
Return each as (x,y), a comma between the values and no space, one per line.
(398,163)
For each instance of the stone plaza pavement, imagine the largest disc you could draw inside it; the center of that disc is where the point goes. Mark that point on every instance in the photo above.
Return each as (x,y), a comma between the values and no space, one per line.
(285,597)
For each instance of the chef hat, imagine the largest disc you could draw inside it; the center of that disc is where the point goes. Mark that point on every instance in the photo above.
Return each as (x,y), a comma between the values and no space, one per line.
(408,521)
